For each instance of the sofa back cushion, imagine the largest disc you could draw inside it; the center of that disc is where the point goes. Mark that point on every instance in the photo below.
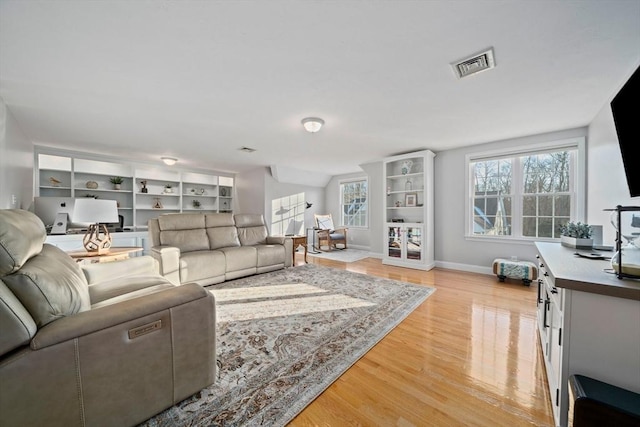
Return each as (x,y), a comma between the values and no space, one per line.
(18,326)
(22,235)
(221,230)
(50,286)
(222,237)
(251,229)
(184,231)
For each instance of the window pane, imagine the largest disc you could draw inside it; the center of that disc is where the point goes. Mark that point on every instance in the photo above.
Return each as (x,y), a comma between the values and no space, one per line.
(545,205)
(529,206)
(563,205)
(529,228)
(354,203)
(542,191)
(559,222)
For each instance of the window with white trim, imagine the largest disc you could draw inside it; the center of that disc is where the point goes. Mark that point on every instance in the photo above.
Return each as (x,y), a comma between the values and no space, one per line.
(353,203)
(528,193)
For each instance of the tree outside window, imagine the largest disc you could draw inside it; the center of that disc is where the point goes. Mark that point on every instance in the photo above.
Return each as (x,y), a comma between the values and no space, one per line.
(353,203)
(528,195)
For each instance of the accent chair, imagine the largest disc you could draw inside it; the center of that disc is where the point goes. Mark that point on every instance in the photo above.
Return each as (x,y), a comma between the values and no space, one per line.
(328,236)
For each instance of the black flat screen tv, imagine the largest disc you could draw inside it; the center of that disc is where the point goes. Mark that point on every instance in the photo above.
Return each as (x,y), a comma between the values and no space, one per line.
(626,117)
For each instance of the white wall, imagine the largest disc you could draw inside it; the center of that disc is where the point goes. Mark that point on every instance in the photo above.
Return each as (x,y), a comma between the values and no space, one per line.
(606,181)
(452,249)
(257,188)
(249,187)
(16,163)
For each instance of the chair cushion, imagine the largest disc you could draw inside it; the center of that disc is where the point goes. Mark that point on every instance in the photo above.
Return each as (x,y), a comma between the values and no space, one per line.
(337,236)
(50,286)
(22,235)
(324,222)
(117,286)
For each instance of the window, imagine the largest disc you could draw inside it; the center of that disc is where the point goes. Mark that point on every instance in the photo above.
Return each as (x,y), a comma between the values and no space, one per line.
(528,193)
(353,203)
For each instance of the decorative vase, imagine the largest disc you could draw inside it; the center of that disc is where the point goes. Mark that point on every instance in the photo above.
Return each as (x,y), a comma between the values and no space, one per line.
(408,186)
(406,167)
(574,242)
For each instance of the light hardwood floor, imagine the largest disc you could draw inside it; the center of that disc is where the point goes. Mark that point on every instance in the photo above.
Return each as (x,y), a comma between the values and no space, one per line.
(467,356)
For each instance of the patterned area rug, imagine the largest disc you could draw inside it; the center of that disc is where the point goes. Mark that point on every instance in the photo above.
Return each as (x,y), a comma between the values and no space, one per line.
(284,337)
(346,255)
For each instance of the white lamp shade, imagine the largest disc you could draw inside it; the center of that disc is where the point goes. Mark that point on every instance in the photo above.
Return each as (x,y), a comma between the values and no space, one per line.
(95,211)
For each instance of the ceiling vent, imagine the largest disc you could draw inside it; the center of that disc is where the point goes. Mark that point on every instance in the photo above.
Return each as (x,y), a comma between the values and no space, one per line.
(247,149)
(479,62)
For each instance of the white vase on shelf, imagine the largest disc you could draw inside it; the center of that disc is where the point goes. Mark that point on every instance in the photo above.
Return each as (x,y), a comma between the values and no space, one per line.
(406,166)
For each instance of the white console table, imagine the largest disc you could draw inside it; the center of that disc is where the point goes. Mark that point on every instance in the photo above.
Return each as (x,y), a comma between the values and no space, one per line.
(588,322)
(73,242)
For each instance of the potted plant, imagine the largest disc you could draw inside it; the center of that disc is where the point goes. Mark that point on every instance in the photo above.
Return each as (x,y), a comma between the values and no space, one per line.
(576,235)
(116,181)
(196,204)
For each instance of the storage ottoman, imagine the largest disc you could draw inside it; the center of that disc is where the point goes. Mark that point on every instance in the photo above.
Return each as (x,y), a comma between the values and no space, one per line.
(523,270)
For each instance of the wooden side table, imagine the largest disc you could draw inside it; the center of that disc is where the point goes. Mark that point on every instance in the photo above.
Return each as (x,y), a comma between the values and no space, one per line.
(297,241)
(114,254)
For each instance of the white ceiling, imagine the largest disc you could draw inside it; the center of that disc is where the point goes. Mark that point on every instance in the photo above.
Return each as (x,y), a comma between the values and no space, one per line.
(197,80)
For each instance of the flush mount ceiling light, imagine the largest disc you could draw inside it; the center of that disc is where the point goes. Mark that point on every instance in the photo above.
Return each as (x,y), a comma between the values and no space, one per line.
(312,124)
(474,64)
(169,161)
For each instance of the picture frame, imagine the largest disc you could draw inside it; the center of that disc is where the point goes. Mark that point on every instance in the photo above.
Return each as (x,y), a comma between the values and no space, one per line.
(411,199)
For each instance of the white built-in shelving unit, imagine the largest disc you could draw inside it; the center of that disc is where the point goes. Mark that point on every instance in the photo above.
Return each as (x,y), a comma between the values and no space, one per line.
(166,191)
(408,233)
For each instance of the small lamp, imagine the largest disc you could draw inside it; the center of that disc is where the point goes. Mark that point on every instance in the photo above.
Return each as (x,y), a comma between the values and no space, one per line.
(97,213)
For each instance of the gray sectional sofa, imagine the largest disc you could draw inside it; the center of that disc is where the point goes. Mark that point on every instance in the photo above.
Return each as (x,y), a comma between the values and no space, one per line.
(212,248)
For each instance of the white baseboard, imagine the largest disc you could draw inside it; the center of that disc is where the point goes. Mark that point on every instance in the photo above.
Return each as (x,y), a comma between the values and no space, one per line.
(465,267)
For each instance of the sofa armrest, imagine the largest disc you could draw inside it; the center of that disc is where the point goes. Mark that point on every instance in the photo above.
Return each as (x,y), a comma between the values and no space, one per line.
(168,258)
(88,322)
(275,240)
(136,266)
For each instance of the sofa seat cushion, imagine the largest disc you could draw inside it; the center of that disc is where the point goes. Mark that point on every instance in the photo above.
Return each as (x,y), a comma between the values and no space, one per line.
(195,266)
(135,294)
(270,255)
(240,258)
(119,286)
(50,286)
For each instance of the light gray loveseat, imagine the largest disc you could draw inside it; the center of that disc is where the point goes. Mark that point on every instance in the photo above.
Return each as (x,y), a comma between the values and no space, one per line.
(211,248)
(109,344)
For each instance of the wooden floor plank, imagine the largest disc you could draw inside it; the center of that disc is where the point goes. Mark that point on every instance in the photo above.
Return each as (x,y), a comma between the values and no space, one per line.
(467,356)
